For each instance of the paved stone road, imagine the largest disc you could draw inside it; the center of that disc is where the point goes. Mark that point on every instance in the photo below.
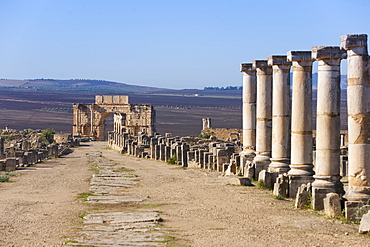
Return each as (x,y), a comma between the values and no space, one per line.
(118,228)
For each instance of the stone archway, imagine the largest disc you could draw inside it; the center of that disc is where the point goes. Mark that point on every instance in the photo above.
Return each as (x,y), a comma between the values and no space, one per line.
(89,119)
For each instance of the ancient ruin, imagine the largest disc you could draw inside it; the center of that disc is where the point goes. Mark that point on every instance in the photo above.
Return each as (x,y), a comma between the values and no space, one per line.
(23,150)
(279,145)
(89,119)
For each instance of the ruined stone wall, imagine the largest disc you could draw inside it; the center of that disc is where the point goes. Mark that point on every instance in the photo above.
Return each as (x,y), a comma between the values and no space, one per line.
(224,134)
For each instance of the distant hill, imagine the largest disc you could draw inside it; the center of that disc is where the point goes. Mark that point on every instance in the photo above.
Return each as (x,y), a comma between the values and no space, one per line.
(106,87)
(110,87)
(76,85)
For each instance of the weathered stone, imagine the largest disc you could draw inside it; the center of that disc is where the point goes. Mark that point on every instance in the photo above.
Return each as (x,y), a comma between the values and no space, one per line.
(266,177)
(231,169)
(303,196)
(250,170)
(281,186)
(365,223)
(332,205)
(2,165)
(241,181)
(11,164)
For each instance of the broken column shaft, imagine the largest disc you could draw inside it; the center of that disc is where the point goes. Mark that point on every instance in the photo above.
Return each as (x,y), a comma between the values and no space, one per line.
(280,156)
(327,168)
(301,134)
(263,115)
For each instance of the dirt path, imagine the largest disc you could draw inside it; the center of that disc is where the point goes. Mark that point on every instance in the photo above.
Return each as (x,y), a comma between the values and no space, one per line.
(40,206)
(198,207)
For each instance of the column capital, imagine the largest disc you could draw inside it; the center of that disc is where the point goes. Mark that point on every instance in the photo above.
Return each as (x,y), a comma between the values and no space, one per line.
(328,52)
(260,64)
(278,60)
(350,41)
(299,56)
(247,67)
(262,67)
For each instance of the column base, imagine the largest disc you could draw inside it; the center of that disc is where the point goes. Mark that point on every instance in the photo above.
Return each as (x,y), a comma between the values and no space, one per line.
(295,182)
(262,162)
(246,156)
(355,210)
(322,186)
(358,193)
(279,166)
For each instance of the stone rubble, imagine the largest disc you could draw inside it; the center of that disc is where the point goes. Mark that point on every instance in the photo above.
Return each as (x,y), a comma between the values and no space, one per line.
(22,153)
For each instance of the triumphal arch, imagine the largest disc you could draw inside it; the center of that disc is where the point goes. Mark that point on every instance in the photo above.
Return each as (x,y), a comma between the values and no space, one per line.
(89,119)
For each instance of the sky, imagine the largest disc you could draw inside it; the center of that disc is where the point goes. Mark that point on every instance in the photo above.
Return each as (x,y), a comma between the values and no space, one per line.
(164,43)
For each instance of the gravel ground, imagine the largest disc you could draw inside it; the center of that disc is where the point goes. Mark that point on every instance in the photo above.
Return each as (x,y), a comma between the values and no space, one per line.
(199,207)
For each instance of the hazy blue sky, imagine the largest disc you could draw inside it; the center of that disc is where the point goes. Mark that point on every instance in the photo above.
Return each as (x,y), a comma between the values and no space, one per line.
(173,44)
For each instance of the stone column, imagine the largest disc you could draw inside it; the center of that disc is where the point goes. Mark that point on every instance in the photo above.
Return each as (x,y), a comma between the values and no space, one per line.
(327,168)
(301,134)
(263,114)
(280,156)
(358,118)
(249,112)
(206,123)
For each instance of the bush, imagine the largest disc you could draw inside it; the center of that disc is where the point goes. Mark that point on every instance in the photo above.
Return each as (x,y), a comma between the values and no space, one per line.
(48,135)
(4,178)
(206,135)
(173,159)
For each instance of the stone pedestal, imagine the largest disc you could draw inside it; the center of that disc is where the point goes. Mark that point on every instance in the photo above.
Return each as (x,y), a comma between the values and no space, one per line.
(263,115)
(301,134)
(358,101)
(280,156)
(327,168)
(249,113)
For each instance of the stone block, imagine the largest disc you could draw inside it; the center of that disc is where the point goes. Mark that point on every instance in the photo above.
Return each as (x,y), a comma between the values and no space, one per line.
(261,165)
(365,223)
(318,196)
(167,153)
(354,210)
(241,181)
(10,164)
(266,177)
(249,170)
(303,196)
(157,152)
(230,169)
(332,205)
(281,186)
(184,149)
(295,182)
(162,150)
(2,165)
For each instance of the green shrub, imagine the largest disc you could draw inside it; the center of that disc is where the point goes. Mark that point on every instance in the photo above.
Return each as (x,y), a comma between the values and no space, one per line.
(48,135)
(206,135)
(4,178)
(173,159)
